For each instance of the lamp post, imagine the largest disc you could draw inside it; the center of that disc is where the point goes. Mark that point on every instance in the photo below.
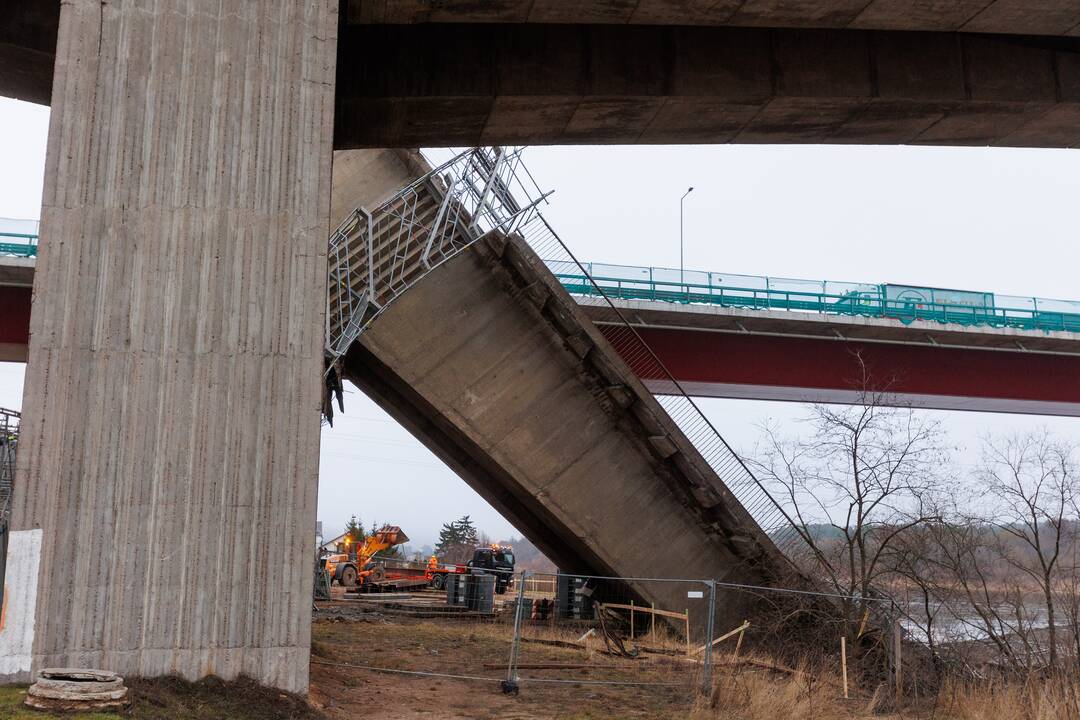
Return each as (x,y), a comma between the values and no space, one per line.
(682,271)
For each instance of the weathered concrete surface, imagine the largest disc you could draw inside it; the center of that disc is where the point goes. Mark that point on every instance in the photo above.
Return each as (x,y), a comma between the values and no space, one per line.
(170,433)
(364,178)
(491,364)
(1047,17)
(437,85)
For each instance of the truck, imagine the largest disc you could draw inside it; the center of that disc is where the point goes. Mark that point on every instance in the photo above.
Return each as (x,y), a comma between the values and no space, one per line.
(492,559)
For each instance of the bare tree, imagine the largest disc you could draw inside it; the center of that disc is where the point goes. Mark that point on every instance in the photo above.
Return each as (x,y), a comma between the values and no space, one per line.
(856,483)
(1032,482)
(1000,568)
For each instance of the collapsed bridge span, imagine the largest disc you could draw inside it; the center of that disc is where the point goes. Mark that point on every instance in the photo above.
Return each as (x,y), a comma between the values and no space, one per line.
(442,311)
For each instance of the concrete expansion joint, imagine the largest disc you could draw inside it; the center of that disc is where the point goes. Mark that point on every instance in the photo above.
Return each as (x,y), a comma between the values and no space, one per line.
(538,294)
(621,395)
(580,345)
(662,446)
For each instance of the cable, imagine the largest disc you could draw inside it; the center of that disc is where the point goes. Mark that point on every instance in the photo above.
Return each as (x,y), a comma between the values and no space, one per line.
(374,668)
(452,676)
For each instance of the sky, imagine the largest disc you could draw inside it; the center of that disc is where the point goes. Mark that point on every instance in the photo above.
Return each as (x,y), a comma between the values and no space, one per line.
(990,219)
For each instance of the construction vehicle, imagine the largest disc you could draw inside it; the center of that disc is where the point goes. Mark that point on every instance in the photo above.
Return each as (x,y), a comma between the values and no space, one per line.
(492,559)
(350,569)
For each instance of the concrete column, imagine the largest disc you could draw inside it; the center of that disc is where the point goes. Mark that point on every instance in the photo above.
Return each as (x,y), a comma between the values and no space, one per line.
(170,443)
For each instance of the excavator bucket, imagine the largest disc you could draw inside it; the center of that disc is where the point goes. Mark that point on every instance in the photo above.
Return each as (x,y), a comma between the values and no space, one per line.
(391,535)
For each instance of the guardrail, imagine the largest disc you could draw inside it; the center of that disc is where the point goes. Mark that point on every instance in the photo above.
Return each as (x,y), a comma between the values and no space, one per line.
(18,237)
(903,303)
(10,246)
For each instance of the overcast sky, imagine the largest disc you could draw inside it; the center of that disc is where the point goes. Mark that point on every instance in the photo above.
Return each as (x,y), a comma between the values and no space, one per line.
(996,220)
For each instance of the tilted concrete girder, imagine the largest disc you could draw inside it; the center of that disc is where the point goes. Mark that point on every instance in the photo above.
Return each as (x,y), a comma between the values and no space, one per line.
(496,369)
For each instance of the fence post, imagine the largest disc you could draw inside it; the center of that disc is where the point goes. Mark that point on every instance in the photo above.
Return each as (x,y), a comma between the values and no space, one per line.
(843,662)
(706,683)
(509,685)
(898,641)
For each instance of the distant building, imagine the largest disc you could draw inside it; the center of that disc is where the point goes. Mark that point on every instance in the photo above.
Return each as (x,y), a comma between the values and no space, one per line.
(334,545)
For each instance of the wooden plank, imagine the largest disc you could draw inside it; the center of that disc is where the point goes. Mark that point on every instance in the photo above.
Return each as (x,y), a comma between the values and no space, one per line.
(642,608)
(737,631)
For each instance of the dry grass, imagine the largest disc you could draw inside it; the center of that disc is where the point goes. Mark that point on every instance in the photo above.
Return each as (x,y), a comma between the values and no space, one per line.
(751,693)
(1032,700)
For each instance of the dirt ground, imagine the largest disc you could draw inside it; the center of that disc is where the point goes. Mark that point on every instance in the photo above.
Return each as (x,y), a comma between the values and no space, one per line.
(348,638)
(462,647)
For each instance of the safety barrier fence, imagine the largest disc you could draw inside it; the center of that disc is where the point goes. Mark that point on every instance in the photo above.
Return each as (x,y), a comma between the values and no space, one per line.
(18,237)
(9,441)
(898,302)
(652,642)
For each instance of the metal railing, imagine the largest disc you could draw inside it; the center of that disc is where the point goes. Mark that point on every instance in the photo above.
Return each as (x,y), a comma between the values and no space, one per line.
(18,237)
(376,256)
(904,303)
(9,440)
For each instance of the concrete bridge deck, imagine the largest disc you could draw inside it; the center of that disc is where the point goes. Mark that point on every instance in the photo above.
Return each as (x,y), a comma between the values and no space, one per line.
(809,357)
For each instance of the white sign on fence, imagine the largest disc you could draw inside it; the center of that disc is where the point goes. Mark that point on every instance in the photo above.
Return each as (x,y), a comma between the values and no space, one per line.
(695,594)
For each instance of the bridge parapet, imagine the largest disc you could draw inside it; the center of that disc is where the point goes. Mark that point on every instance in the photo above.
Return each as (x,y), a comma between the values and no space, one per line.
(904,303)
(18,237)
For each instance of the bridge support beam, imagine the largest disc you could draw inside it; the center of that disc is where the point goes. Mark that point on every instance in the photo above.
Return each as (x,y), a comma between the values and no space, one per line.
(169,456)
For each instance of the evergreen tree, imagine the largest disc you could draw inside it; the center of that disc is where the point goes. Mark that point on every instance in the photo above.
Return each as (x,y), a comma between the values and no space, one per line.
(457,540)
(354,529)
(468,532)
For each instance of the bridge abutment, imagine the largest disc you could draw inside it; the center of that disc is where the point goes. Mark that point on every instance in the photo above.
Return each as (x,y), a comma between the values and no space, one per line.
(169,456)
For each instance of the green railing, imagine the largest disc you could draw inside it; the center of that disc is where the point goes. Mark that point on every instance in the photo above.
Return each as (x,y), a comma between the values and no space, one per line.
(23,249)
(897,302)
(18,237)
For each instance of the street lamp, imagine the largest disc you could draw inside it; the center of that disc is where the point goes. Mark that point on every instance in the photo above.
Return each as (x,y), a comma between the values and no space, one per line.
(682,279)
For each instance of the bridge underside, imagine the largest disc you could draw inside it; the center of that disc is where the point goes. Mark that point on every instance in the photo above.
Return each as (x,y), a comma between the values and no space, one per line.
(427,85)
(983,72)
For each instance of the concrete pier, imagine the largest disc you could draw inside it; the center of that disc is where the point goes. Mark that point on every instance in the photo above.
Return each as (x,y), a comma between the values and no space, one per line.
(170,438)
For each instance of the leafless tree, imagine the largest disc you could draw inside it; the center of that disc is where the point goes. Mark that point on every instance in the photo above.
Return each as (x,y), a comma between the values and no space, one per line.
(854,485)
(1031,480)
(1000,564)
